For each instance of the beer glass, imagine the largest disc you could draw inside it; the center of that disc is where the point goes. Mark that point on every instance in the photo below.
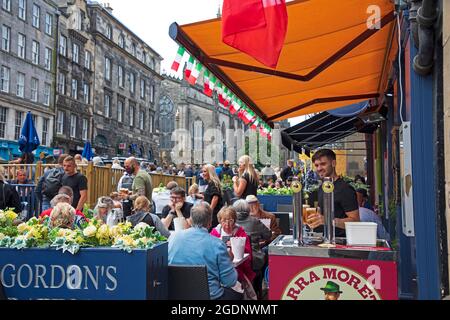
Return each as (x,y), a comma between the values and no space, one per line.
(304,213)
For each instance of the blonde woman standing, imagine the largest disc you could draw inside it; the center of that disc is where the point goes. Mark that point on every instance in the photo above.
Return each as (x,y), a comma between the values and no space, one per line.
(247,182)
(213,193)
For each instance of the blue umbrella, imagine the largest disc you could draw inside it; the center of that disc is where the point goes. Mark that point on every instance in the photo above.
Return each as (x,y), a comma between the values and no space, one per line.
(29,140)
(87,151)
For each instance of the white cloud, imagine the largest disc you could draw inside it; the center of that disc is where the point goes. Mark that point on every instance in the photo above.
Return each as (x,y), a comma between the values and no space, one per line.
(150,20)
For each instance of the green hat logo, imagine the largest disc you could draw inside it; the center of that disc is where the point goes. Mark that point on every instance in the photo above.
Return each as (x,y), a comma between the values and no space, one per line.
(331,287)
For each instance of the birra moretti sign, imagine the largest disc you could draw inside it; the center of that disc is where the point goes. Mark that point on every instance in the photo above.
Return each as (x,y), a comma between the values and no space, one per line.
(318,281)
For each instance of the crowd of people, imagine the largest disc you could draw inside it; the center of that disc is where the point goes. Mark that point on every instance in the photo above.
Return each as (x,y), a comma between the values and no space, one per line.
(62,192)
(207,218)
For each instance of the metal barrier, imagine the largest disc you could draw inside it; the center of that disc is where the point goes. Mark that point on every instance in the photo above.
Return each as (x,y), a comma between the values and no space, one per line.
(29,201)
(101,180)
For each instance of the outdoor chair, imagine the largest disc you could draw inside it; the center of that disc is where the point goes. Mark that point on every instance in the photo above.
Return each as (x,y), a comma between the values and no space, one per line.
(285,208)
(188,282)
(2,292)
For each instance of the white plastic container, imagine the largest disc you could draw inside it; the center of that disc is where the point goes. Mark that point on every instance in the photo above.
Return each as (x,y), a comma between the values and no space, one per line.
(361,234)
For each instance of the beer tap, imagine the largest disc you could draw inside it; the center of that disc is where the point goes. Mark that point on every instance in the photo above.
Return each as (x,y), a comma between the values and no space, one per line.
(328,213)
(297,214)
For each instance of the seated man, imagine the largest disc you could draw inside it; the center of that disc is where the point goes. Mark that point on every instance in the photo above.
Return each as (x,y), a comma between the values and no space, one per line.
(177,208)
(162,199)
(65,195)
(196,246)
(257,212)
(367,215)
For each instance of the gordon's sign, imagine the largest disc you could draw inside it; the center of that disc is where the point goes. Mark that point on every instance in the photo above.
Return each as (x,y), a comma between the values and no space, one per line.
(52,276)
(91,274)
(330,282)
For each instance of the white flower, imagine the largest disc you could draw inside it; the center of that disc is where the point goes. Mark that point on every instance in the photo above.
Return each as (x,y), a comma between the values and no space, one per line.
(141,226)
(90,231)
(2,236)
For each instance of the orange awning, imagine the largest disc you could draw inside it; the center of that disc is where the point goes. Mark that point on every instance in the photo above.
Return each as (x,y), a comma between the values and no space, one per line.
(330,58)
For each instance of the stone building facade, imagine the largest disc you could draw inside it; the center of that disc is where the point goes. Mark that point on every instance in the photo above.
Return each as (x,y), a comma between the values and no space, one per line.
(126,85)
(187,109)
(28,32)
(75,77)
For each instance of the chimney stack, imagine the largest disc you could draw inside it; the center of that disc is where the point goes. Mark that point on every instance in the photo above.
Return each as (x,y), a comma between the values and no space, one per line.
(107,7)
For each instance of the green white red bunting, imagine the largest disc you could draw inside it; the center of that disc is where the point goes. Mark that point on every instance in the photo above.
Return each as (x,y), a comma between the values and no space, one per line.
(195,73)
(189,66)
(209,83)
(178,58)
(226,97)
(255,124)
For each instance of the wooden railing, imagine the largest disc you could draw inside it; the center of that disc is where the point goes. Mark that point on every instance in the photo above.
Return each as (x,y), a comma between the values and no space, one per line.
(101,180)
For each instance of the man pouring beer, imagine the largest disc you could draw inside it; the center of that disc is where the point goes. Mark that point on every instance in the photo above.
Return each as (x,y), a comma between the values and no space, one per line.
(346,207)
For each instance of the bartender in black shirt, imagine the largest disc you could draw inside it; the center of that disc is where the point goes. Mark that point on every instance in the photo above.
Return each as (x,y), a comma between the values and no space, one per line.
(346,207)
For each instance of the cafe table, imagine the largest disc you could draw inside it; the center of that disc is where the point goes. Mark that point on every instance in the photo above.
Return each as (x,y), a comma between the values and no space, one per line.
(237,263)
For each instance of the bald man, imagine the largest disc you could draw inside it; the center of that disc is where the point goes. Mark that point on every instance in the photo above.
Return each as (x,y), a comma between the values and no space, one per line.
(142,183)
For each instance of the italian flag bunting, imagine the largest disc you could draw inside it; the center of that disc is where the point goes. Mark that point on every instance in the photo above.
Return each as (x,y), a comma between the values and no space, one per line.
(265,131)
(255,124)
(189,66)
(230,98)
(236,106)
(248,116)
(241,114)
(225,94)
(212,82)
(261,131)
(209,83)
(178,58)
(206,80)
(219,90)
(195,73)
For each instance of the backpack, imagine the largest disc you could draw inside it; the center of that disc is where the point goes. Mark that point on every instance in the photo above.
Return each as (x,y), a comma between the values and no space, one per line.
(52,183)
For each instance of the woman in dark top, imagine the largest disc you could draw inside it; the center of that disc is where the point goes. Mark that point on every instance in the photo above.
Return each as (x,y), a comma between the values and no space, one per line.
(213,192)
(247,182)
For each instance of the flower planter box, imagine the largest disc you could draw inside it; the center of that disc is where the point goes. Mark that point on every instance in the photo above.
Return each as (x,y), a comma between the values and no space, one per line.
(271,202)
(91,274)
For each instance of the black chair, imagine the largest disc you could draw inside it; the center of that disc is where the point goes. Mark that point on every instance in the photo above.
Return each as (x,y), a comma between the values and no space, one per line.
(2,292)
(188,282)
(285,208)
(284,222)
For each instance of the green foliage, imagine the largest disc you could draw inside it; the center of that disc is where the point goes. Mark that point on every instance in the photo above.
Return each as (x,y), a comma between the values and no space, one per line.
(276,192)
(227,182)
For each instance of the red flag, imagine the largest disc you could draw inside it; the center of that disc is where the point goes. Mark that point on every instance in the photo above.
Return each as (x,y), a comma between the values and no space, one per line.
(256,27)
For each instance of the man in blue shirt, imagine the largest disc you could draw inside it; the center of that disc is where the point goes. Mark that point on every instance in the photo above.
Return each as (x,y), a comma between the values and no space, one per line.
(367,215)
(195,246)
